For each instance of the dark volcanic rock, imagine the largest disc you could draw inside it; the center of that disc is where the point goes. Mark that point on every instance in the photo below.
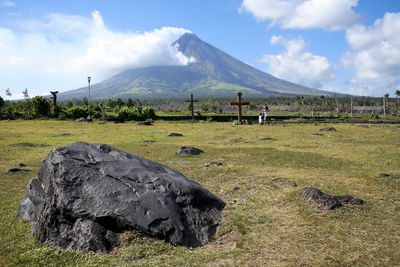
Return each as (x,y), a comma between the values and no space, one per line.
(384,175)
(108,118)
(30,145)
(328,129)
(189,150)
(316,134)
(18,170)
(174,134)
(325,201)
(213,163)
(363,126)
(21,165)
(85,194)
(267,139)
(149,123)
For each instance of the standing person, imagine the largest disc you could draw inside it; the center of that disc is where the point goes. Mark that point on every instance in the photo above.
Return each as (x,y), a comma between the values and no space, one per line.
(260,119)
(266,113)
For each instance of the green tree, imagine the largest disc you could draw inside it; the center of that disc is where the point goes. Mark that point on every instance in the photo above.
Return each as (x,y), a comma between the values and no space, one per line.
(8,93)
(40,106)
(204,107)
(26,94)
(2,103)
(397,93)
(120,103)
(130,103)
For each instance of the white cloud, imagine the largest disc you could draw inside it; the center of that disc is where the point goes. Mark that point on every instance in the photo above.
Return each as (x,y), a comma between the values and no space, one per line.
(304,14)
(376,54)
(297,65)
(7,4)
(60,51)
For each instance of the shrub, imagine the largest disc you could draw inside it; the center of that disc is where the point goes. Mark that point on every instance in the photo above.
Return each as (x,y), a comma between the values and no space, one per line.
(76,112)
(128,114)
(40,106)
(148,113)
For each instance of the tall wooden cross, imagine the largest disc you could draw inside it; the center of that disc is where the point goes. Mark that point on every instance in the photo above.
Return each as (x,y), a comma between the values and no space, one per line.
(239,103)
(191,103)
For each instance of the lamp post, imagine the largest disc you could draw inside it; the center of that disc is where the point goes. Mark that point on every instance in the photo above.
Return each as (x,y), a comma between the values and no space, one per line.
(89,118)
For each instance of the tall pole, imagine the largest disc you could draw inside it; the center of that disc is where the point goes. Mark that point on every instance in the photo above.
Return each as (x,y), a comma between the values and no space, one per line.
(384,106)
(351,108)
(89,118)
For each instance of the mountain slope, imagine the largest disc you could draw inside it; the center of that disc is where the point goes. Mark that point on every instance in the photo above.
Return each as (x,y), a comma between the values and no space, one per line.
(214,74)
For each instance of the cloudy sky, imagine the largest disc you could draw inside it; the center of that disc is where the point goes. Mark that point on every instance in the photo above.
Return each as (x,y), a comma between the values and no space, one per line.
(345,46)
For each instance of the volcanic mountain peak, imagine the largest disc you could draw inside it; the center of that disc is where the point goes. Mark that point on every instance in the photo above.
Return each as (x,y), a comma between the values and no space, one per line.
(213,74)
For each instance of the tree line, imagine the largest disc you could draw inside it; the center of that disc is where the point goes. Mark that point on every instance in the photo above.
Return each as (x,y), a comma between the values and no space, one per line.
(135,109)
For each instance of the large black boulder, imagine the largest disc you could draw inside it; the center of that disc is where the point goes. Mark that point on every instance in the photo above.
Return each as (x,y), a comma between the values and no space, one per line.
(85,194)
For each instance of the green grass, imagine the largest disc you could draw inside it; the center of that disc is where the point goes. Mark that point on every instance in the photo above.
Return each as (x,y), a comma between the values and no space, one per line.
(264,223)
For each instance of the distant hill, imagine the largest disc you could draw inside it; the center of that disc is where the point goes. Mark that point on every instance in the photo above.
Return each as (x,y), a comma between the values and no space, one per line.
(214,74)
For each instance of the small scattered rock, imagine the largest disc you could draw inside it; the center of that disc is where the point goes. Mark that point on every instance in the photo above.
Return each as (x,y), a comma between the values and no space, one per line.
(81,119)
(184,161)
(174,134)
(189,150)
(363,126)
(148,141)
(18,170)
(236,188)
(323,201)
(241,198)
(266,139)
(284,180)
(253,188)
(21,165)
(108,118)
(102,122)
(237,139)
(384,175)
(213,163)
(317,134)
(65,134)
(149,123)
(30,145)
(328,129)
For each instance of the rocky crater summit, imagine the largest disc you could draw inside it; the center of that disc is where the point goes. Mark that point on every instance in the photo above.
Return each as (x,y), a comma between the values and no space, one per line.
(86,194)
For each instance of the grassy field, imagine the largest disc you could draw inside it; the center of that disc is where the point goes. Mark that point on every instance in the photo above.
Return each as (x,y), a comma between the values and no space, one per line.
(265,223)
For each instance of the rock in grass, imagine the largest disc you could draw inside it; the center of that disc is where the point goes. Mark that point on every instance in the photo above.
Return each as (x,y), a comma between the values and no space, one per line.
(174,134)
(267,139)
(323,201)
(189,150)
(213,163)
(86,194)
(316,134)
(21,165)
(384,175)
(328,129)
(18,170)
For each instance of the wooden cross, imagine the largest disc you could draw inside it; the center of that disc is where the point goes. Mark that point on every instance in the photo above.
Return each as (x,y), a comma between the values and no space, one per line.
(239,103)
(54,93)
(191,102)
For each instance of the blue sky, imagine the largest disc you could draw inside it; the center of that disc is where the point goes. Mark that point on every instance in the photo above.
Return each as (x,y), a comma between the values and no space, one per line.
(345,46)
